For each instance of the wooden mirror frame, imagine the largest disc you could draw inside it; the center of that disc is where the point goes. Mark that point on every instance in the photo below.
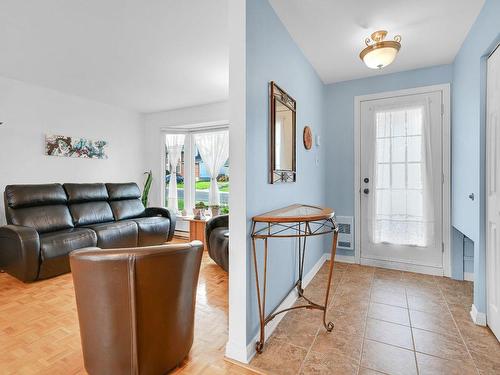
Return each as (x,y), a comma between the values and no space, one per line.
(278,94)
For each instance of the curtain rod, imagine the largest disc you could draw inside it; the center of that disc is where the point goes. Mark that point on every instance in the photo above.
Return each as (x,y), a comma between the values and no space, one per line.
(206,129)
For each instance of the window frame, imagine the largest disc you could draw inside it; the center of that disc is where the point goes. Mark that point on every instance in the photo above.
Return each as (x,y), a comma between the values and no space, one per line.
(189,160)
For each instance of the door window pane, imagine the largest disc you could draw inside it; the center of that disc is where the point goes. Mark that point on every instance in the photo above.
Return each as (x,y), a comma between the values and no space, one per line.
(415,205)
(414,176)
(384,150)
(398,176)
(398,124)
(414,126)
(398,200)
(383,126)
(384,176)
(414,147)
(398,150)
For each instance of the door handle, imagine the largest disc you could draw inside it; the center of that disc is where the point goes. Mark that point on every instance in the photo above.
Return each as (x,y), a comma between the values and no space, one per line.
(366,191)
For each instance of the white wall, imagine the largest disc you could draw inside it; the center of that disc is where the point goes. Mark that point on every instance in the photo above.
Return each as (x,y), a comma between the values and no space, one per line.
(29,112)
(153,141)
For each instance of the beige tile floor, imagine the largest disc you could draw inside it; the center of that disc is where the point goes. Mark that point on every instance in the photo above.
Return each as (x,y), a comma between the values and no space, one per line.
(386,321)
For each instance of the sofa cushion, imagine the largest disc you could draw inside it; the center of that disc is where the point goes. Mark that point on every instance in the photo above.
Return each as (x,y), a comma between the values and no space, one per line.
(90,213)
(78,193)
(128,190)
(17,196)
(55,247)
(127,209)
(115,234)
(152,230)
(42,218)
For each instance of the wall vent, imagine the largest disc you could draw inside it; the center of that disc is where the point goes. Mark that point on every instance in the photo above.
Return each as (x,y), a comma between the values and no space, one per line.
(346,235)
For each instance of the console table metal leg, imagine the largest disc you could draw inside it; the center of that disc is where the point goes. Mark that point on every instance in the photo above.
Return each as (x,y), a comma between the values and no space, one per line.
(302,255)
(261,300)
(329,326)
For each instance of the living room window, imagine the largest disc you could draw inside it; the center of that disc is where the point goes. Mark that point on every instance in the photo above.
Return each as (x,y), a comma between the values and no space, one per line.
(196,169)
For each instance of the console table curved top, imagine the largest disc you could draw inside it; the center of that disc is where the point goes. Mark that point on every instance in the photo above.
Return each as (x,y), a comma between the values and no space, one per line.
(295,213)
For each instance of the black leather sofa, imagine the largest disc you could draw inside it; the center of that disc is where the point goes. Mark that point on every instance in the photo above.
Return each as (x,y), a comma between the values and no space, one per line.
(217,237)
(47,222)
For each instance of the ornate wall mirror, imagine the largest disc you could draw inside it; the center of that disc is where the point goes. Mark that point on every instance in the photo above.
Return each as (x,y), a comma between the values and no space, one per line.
(283,135)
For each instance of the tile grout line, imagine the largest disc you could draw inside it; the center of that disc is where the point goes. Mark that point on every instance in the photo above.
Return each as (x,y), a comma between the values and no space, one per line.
(459,331)
(345,279)
(317,331)
(366,322)
(411,331)
(440,333)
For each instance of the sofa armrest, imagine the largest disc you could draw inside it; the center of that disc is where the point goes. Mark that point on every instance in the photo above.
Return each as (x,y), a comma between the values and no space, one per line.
(164,212)
(20,252)
(216,222)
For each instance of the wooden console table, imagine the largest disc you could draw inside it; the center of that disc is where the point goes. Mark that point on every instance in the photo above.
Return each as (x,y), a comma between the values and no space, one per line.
(295,221)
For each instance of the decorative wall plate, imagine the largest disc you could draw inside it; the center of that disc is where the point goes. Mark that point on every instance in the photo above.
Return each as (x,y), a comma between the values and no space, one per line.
(308,139)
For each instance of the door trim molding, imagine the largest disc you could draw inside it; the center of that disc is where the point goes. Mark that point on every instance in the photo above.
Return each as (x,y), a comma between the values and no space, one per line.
(446,149)
(402,266)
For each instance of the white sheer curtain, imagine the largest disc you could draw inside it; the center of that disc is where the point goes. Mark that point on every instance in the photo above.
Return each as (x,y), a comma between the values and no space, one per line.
(214,150)
(401,211)
(174,144)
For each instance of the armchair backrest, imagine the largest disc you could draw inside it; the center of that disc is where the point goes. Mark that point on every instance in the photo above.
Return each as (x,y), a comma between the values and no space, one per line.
(136,306)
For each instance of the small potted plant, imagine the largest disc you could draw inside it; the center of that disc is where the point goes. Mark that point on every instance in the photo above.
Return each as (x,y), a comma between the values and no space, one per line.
(198,210)
(215,209)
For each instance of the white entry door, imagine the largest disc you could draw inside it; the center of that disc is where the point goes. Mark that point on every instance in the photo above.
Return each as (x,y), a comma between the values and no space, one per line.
(493,193)
(401,187)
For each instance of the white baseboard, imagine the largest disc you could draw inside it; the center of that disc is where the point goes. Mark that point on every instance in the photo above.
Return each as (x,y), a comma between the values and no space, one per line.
(236,352)
(287,303)
(342,258)
(435,271)
(182,234)
(313,271)
(469,276)
(478,318)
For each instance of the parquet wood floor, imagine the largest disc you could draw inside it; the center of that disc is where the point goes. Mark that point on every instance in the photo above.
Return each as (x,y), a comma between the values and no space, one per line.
(39,331)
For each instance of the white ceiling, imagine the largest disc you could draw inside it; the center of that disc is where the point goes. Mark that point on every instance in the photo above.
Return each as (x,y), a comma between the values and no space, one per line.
(153,55)
(144,55)
(331,33)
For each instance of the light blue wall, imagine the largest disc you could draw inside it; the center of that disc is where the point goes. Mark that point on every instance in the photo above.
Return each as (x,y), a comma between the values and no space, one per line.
(339,131)
(463,251)
(273,55)
(468,144)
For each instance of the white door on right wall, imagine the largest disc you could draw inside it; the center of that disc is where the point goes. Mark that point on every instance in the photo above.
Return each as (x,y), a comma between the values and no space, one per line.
(493,193)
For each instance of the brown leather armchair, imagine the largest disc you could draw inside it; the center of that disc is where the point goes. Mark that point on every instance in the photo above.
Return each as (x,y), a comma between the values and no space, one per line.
(136,306)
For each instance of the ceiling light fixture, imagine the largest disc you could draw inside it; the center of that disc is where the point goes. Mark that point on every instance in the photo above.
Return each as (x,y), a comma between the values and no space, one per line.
(379,52)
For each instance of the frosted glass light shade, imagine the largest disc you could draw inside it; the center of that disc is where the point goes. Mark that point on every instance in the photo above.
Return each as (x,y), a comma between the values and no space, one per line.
(380,57)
